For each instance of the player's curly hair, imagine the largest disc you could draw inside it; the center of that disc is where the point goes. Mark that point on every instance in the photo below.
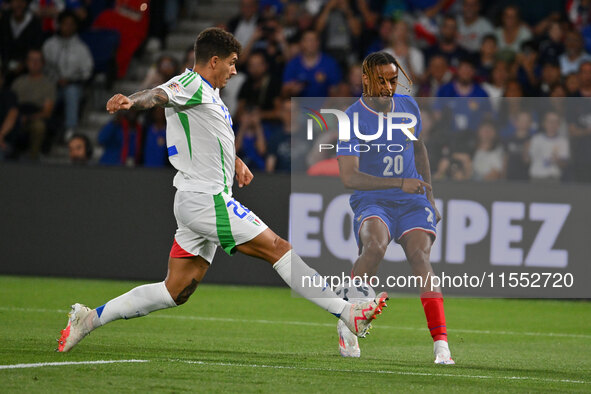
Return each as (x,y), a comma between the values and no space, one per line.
(214,41)
(369,68)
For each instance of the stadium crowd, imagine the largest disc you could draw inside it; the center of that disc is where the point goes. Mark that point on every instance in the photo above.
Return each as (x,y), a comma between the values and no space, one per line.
(501,85)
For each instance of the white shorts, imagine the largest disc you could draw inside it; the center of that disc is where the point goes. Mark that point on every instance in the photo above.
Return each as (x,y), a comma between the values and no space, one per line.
(205,221)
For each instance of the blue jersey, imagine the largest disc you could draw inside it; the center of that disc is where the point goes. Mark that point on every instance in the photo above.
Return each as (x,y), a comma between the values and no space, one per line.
(383,158)
(467,112)
(318,79)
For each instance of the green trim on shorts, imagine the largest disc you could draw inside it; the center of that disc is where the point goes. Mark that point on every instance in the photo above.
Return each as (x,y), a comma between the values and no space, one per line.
(222,224)
(223,166)
(185,122)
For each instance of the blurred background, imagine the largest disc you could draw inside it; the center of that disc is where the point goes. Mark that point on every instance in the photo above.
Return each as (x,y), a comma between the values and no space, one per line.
(62,59)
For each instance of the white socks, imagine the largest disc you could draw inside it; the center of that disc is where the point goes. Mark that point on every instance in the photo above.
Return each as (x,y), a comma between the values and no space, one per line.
(135,303)
(149,298)
(355,291)
(300,278)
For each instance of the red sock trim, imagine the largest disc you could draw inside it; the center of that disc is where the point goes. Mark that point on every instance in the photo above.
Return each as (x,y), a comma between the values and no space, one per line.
(177,251)
(433,305)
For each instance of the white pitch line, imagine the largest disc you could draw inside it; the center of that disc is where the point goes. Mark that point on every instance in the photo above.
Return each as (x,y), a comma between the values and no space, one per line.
(313,324)
(56,364)
(420,329)
(240,365)
(384,372)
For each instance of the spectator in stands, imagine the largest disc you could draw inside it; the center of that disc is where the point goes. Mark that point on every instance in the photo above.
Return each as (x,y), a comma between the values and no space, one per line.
(447,45)
(488,57)
(382,37)
(558,91)
(513,89)
(279,147)
(464,84)
(551,44)
(550,77)
(269,39)
(579,13)
(163,70)
(521,123)
(20,31)
(130,18)
(461,118)
(472,28)
(409,57)
(517,147)
(574,53)
(488,162)
(584,79)
(155,150)
(426,13)
(260,89)
(36,98)
(79,149)
(456,166)
(312,73)
(548,151)
(438,74)
(47,11)
(513,32)
(528,68)
(69,64)
(571,84)
(498,81)
(251,145)
(340,28)
(289,20)
(8,118)
(245,23)
(352,86)
(579,129)
(121,139)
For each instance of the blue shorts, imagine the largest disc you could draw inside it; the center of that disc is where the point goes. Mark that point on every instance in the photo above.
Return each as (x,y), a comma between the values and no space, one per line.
(399,217)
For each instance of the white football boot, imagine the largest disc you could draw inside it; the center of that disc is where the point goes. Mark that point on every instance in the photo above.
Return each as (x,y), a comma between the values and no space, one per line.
(442,353)
(358,317)
(352,292)
(348,342)
(79,326)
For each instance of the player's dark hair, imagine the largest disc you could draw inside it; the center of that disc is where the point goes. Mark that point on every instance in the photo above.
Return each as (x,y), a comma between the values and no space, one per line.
(369,66)
(215,42)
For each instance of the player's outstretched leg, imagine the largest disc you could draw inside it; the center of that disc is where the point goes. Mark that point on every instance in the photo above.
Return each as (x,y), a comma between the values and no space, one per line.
(299,276)
(417,247)
(184,274)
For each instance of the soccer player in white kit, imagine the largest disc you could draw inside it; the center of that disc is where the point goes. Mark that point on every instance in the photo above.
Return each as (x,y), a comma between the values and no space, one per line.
(200,144)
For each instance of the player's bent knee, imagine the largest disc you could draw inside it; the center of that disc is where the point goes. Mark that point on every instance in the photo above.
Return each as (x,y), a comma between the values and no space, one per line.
(419,256)
(281,245)
(375,249)
(181,295)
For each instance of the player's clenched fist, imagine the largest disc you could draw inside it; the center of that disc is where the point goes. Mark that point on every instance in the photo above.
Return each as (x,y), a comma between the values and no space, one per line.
(414,186)
(118,102)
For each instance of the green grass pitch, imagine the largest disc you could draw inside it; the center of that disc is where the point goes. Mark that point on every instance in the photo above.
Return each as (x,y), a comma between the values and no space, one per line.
(244,339)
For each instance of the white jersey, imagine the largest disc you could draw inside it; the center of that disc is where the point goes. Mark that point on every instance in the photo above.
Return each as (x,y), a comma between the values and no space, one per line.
(199,135)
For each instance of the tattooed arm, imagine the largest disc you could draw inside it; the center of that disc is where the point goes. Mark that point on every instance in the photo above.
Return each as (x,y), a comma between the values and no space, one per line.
(424,169)
(144,99)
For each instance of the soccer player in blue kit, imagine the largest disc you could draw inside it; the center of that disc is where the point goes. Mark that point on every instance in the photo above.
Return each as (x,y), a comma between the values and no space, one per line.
(393,198)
